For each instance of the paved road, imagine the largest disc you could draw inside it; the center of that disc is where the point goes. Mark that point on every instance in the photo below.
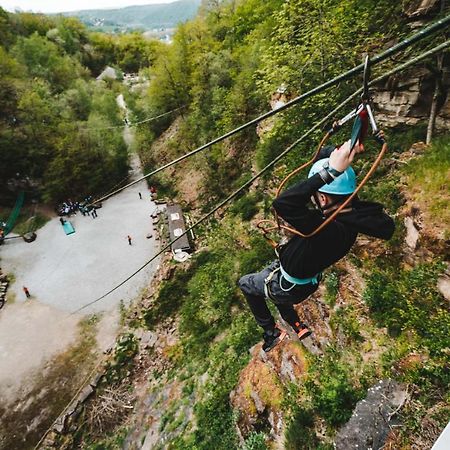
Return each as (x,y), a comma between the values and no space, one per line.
(68,272)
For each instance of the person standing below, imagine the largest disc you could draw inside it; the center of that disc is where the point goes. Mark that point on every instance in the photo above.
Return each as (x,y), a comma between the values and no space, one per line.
(297,273)
(27,292)
(140,195)
(129,239)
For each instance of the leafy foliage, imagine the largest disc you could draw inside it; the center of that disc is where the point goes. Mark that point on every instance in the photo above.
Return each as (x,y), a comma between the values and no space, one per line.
(407,301)
(333,394)
(57,125)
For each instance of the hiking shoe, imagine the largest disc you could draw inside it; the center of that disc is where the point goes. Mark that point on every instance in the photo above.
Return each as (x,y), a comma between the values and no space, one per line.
(272,338)
(301,330)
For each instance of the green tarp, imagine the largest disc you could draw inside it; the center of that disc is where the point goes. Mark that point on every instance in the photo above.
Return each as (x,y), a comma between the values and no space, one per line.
(15,213)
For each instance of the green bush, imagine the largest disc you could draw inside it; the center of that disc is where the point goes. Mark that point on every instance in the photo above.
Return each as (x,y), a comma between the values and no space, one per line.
(347,320)
(407,300)
(255,441)
(124,352)
(255,258)
(170,297)
(300,431)
(246,206)
(331,286)
(332,393)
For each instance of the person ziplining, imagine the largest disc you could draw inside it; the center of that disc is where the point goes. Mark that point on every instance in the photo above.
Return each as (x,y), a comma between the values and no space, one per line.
(437,26)
(320,236)
(293,277)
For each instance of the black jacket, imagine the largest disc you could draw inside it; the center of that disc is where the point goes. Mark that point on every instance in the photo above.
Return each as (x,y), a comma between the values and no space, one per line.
(305,257)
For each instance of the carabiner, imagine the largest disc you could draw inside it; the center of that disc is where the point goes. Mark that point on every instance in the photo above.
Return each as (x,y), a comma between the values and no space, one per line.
(365,96)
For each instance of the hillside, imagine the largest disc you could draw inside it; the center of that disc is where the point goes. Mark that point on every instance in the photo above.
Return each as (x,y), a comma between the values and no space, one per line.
(188,370)
(145,17)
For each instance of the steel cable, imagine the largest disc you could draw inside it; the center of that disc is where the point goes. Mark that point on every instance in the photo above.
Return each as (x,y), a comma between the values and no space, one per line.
(272,163)
(427,31)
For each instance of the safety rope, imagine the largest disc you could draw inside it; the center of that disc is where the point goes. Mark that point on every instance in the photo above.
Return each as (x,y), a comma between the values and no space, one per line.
(421,34)
(272,163)
(277,225)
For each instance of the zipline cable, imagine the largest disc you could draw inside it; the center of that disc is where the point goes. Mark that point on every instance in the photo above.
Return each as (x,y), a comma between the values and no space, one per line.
(149,119)
(273,162)
(433,28)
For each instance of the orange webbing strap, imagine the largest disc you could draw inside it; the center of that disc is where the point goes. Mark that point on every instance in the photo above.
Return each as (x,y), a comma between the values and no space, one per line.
(296,171)
(266,231)
(346,203)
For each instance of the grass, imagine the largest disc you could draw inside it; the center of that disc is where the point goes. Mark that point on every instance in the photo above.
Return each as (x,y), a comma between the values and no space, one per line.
(24,222)
(429,180)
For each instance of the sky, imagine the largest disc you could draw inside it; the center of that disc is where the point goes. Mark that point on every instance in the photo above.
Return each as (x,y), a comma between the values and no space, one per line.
(52,6)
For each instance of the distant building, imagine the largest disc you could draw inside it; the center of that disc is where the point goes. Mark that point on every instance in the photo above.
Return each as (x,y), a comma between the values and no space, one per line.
(108,73)
(177,227)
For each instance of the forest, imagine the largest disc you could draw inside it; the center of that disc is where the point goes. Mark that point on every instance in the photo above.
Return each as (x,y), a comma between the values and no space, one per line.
(61,132)
(60,129)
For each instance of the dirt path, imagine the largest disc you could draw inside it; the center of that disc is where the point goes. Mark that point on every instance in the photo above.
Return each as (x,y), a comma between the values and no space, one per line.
(64,273)
(30,335)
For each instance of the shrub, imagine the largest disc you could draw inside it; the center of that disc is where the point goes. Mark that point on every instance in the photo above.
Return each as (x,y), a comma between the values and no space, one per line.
(259,254)
(300,431)
(346,318)
(246,206)
(332,287)
(408,300)
(170,297)
(332,392)
(255,441)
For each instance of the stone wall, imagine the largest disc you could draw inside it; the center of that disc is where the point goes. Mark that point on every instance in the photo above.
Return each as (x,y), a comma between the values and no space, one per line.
(406,99)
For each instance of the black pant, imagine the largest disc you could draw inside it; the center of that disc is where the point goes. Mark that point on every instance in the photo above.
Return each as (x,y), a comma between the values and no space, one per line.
(284,296)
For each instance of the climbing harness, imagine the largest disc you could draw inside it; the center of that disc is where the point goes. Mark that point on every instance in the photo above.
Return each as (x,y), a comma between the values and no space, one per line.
(284,276)
(363,116)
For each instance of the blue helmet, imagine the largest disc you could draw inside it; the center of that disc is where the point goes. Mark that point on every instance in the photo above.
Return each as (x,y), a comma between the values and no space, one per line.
(343,185)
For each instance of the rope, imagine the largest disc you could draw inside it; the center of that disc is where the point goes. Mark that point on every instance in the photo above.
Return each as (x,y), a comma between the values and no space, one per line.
(272,163)
(438,25)
(150,119)
(377,161)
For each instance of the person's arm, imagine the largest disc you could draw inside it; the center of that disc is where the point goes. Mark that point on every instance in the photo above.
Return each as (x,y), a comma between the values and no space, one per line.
(291,205)
(325,152)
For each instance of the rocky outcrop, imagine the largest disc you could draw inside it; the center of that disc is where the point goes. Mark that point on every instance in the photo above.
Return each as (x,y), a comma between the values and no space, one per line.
(420,8)
(405,99)
(259,393)
(373,417)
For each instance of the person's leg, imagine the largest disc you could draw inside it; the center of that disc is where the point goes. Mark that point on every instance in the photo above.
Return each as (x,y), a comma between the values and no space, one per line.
(261,312)
(252,286)
(288,313)
(285,296)
(290,316)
